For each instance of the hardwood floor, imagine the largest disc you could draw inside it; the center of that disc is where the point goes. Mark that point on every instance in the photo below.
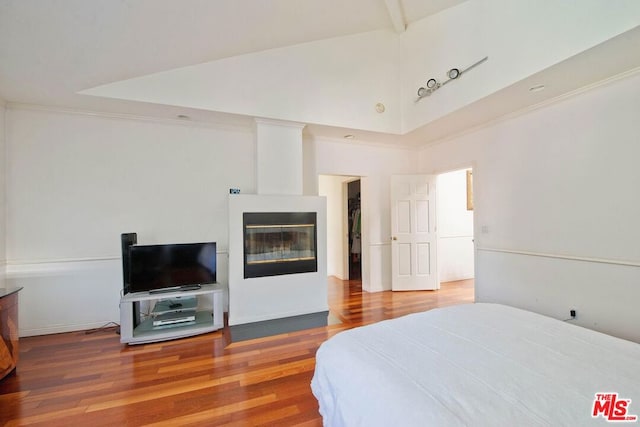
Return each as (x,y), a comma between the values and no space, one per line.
(84,379)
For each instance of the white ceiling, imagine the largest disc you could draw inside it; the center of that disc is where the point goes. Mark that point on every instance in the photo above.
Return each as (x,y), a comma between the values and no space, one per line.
(50,50)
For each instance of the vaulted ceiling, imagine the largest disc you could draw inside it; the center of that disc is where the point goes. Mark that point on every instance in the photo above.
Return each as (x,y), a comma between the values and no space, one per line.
(53,53)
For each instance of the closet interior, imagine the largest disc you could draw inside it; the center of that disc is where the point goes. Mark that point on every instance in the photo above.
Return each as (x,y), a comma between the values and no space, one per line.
(354,222)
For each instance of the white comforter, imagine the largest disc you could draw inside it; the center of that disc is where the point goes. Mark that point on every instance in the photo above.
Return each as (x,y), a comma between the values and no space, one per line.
(475,365)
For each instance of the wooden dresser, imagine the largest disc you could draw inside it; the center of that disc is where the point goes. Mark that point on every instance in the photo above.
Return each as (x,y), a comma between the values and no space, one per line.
(8,330)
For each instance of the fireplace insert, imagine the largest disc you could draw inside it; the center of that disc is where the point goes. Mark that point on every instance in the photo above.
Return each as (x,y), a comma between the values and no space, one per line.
(278,243)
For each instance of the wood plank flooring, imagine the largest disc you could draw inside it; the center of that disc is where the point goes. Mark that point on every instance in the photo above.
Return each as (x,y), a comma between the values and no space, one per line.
(79,379)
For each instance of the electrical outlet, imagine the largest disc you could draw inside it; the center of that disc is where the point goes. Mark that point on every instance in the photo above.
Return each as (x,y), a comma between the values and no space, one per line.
(572,313)
(234,191)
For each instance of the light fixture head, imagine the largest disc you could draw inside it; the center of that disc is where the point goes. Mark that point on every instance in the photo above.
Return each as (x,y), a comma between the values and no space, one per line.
(453,73)
(422,92)
(431,83)
(536,88)
(349,136)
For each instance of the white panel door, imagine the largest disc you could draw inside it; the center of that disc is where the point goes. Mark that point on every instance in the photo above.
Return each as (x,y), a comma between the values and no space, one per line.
(413,233)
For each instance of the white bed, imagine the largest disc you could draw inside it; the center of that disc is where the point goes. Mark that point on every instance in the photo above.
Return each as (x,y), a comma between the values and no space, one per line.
(472,364)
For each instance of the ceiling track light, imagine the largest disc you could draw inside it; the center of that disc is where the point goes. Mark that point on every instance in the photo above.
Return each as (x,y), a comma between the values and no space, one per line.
(433,84)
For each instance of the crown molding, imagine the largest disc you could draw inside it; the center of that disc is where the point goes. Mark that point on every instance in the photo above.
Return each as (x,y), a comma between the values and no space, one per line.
(364,143)
(281,123)
(214,124)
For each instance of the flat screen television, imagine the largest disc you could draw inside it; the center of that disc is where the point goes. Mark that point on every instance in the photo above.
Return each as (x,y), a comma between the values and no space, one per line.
(168,267)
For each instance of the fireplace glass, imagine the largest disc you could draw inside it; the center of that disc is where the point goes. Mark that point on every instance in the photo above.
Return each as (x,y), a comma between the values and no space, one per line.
(279,243)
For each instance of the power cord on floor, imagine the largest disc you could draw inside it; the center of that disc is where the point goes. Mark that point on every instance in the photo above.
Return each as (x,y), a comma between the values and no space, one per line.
(104,327)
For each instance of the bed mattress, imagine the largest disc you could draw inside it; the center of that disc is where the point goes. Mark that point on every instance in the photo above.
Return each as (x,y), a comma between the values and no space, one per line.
(475,365)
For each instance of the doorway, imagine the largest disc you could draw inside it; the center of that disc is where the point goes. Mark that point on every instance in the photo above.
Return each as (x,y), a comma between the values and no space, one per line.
(454,209)
(340,262)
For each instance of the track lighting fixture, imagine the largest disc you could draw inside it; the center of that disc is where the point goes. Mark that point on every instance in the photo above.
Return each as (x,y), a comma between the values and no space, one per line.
(453,73)
(433,84)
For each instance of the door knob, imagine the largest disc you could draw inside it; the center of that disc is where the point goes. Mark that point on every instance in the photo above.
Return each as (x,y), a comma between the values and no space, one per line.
(394,238)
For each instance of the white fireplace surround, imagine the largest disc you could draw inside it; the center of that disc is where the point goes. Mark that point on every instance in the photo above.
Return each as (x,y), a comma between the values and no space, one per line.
(266,298)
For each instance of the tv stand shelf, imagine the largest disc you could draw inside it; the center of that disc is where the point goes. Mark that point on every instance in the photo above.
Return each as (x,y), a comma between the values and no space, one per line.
(208,315)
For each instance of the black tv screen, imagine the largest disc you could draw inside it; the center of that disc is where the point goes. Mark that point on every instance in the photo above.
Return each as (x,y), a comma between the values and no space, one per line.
(154,267)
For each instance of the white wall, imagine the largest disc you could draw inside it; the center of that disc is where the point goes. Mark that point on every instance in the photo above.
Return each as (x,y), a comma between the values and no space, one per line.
(75,182)
(278,157)
(336,81)
(3,204)
(455,228)
(556,207)
(520,38)
(375,165)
